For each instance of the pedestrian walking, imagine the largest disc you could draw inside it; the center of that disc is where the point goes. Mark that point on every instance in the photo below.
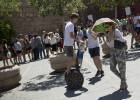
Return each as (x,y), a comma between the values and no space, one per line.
(94,49)
(118,55)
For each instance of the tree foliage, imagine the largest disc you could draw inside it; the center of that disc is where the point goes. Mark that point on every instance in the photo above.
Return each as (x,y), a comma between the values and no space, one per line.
(6,30)
(57,7)
(7,7)
(105,5)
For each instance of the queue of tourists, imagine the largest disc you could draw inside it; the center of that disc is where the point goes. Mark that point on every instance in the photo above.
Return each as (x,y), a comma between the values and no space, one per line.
(28,48)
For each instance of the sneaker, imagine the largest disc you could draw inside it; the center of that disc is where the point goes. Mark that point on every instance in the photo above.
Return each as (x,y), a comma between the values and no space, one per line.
(102,73)
(98,73)
(123,86)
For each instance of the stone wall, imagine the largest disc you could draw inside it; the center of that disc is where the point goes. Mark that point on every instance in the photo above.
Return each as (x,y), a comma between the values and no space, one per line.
(36,24)
(29,20)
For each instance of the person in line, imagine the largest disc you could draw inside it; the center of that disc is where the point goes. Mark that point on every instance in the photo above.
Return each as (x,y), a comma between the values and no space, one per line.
(39,46)
(94,49)
(53,42)
(47,43)
(69,37)
(58,39)
(27,47)
(6,53)
(18,50)
(118,54)
(23,48)
(137,29)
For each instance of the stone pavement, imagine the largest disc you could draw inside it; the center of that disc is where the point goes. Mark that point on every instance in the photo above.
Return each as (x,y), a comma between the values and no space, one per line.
(38,84)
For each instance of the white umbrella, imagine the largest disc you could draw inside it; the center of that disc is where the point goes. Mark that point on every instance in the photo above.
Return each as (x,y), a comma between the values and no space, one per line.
(104,20)
(100,25)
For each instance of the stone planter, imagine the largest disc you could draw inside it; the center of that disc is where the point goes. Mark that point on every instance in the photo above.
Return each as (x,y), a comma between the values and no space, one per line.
(9,77)
(61,62)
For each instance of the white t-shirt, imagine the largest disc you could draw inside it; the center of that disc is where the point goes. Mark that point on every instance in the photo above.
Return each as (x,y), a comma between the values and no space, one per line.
(53,40)
(58,38)
(68,41)
(92,42)
(18,46)
(47,40)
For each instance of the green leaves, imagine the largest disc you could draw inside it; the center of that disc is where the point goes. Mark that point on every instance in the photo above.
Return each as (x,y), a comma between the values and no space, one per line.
(9,6)
(105,5)
(57,7)
(6,30)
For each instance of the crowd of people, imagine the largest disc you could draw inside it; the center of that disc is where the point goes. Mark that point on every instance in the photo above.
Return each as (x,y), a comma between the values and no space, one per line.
(39,47)
(28,48)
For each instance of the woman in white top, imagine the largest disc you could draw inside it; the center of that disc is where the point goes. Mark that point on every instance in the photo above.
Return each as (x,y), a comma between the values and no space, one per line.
(18,49)
(47,43)
(53,42)
(118,54)
(94,50)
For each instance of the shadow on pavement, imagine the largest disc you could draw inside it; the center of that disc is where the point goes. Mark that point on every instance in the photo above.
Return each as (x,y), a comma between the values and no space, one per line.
(0,95)
(39,77)
(51,82)
(133,56)
(117,95)
(72,93)
(94,80)
(57,72)
(8,89)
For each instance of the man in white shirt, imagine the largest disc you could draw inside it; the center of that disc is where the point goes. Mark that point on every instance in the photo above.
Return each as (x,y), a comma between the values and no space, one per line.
(69,36)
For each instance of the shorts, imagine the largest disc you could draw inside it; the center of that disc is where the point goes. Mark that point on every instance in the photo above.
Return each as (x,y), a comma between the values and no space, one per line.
(54,47)
(94,52)
(69,51)
(47,45)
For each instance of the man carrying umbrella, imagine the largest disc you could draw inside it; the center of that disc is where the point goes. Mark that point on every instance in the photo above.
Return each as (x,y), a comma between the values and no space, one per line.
(118,47)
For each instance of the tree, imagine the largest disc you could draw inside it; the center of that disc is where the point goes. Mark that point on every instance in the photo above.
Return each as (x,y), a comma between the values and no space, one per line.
(6,30)
(7,7)
(105,5)
(57,7)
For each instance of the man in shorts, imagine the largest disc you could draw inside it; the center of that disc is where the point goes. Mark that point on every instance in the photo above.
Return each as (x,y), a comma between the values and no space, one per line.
(69,37)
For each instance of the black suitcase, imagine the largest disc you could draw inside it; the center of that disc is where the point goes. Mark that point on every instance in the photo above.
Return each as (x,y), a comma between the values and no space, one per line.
(74,79)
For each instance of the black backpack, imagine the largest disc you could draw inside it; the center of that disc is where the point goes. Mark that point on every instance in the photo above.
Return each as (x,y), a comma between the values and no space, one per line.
(74,79)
